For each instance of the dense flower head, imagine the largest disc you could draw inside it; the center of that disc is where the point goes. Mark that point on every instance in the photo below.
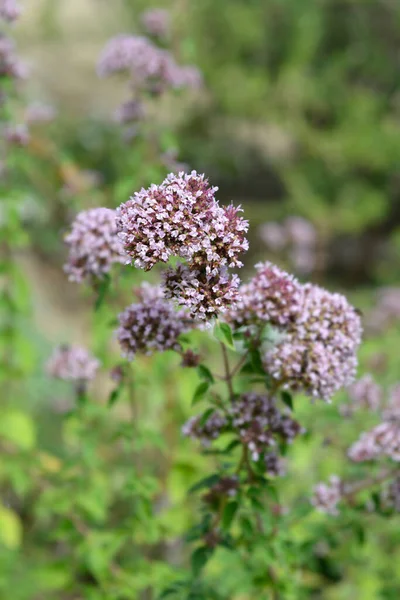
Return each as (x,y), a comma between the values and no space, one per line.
(392,411)
(204,295)
(94,245)
(17,135)
(10,64)
(381,441)
(271,296)
(156,22)
(181,217)
(72,363)
(365,393)
(258,421)
(318,353)
(387,309)
(150,67)
(39,113)
(274,465)
(152,324)
(10,10)
(130,111)
(206,431)
(297,237)
(300,231)
(327,496)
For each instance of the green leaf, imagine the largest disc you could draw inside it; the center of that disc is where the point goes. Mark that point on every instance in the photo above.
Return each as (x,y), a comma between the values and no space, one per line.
(10,528)
(287,399)
(205,416)
(207,482)
(223,333)
(115,394)
(199,559)
(18,428)
(229,514)
(205,373)
(200,392)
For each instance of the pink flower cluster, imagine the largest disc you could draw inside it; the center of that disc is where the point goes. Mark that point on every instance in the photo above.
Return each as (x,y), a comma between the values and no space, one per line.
(387,309)
(10,65)
(317,355)
(156,22)
(151,68)
(297,237)
(181,218)
(256,420)
(384,439)
(327,496)
(365,393)
(72,363)
(94,245)
(152,324)
(10,10)
(271,296)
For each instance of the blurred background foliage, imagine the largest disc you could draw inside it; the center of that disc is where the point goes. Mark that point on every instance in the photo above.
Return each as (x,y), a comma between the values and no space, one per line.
(299,115)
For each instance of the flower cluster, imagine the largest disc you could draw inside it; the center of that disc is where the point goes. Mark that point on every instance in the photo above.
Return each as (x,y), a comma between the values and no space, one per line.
(206,431)
(327,496)
(318,354)
(151,68)
(365,393)
(392,411)
(256,420)
(181,218)
(152,324)
(93,245)
(10,65)
(10,10)
(204,295)
(297,237)
(387,309)
(382,440)
(271,296)
(156,22)
(72,363)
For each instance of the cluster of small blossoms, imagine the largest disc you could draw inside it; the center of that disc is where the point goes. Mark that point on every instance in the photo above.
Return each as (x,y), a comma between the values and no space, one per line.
(152,324)
(386,311)
(327,496)
(384,439)
(317,355)
(204,295)
(10,65)
(181,218)
(208,431)
(381,441)
(10,10)
(38,113)
(151,68)
(156,22)
(365,393)
(72,363)
(271,296)
(297,237)
(94,245)
(256,420)
(392,411)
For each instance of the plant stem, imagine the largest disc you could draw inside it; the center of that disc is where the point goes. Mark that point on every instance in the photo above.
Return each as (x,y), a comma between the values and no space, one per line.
(228,374)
